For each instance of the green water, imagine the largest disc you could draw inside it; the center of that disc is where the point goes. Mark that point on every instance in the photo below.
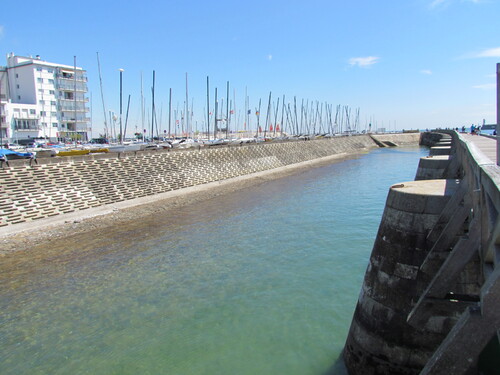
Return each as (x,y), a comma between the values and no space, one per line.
(260,281)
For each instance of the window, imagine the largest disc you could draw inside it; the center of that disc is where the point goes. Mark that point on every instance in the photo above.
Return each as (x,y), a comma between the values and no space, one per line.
(43,113)
(53,114)
(17,86)
(41,102)
(39,80)
(38,69)
(19,97)
(17,75)
(44,124)
(50,70)
(53,102)
(32,112)
(51,81)
(54,124)
(40,91)
(52,92)
(16,109)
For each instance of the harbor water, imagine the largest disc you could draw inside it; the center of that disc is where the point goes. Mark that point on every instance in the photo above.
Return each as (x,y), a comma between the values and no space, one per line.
(259,281)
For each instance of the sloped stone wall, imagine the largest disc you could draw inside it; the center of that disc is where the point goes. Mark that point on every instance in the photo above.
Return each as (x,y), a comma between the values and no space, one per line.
(57,186)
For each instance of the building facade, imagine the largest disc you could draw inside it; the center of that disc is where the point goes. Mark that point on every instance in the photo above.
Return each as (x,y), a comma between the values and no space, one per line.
(39,99)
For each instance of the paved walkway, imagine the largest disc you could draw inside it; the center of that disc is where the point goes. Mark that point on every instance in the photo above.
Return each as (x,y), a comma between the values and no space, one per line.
(488,146)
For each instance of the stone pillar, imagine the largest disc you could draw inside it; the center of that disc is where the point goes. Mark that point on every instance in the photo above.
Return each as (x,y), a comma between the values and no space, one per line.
(380,340)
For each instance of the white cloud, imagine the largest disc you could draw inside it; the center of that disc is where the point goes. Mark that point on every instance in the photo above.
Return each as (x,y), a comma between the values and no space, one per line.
(437,3)
(492,52)
(1,31)
(363,61)
(269,57)
(486,86)
(444,3)
(426,72)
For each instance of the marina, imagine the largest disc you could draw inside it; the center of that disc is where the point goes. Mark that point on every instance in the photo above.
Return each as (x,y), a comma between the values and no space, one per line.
(224,188)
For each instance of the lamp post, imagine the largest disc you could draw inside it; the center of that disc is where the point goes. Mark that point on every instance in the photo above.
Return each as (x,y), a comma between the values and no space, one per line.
(121,107)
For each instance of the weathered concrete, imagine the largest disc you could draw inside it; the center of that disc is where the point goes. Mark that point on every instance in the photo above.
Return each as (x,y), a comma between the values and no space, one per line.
(380,340)
(392,140)
(59,186)
(440,150)
(433,167)
(441,321)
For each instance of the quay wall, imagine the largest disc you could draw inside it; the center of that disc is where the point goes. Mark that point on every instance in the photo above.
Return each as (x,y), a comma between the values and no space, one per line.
(391,140)
(56,186)
(431,294)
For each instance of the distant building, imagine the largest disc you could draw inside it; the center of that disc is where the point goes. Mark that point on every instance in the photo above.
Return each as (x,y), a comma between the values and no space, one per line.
(39,99)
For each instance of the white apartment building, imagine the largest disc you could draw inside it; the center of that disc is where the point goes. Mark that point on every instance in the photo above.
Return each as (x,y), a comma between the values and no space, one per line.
(39,99)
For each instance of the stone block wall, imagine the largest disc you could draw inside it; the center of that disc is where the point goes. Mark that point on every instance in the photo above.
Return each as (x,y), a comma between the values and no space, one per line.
(57,186)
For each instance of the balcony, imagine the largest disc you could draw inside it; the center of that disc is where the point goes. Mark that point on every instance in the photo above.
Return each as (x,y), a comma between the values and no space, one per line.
(70,86)
(79,99)
(71,119)
(26,125)
(25,116)
(32,129)
(71,77)
(70,106)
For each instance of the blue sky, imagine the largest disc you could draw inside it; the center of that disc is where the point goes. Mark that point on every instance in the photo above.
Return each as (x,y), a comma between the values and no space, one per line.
(405,63)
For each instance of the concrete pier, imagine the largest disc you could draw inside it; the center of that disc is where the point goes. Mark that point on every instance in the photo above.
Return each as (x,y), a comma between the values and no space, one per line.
(440,150)
(380,340)
(430,301)
(433,167)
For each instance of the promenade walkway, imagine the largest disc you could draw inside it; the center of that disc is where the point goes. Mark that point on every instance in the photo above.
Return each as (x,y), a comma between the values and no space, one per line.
(488,146)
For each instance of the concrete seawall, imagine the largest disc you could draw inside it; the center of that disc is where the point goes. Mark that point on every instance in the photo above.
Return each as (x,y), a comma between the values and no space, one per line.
(56,186)
(431,293)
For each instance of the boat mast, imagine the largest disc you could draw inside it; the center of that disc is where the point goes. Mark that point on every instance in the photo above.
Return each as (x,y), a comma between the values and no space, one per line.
(276,116)
(296,119)
(234,112)
(227,111)
(153,107)
(142,108)
(215,117)
(246,113)
(267,114)
(170,114)
(208,110)
(186,115)
(121,128)
(257,112)
(282,113)
(102,98)
(126,119)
